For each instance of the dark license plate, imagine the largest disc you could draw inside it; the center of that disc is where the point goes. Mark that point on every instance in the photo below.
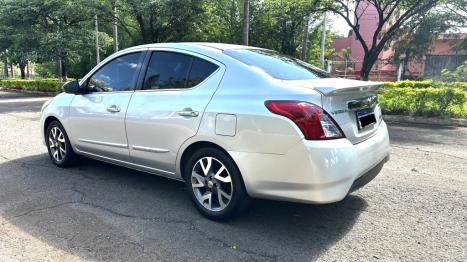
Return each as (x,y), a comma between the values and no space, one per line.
(366,117)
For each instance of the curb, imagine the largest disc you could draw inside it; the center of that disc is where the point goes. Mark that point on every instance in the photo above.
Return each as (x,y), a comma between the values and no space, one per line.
(425,120)
(24,91)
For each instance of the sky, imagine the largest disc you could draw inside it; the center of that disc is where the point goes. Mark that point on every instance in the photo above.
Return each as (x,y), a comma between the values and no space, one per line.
(338,24)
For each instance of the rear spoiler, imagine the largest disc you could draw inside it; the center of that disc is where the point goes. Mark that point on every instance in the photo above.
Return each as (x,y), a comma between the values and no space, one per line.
(338,86)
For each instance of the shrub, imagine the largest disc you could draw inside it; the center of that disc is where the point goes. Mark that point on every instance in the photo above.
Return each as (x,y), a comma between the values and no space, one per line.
(45,85)
(426,84)
(458,74)
(418,99)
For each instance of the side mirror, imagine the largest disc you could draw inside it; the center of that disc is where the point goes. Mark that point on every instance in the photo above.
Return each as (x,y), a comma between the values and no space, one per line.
(72,87)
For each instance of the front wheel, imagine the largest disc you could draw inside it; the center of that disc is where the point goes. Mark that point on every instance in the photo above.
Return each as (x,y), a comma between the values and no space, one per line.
(215,184)
(58,145)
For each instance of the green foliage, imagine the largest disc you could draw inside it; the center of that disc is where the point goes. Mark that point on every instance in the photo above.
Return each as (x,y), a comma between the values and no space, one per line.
(45,85)
(49,31)
(415,39)
(424,98)
(314,46)
(459,74)
(425,84)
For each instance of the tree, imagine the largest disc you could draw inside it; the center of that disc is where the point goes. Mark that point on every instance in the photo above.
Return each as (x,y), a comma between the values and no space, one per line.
(279,25)
(314,45)
(221,22)
(61,26)
(391,16)
(414,40)
(162,21)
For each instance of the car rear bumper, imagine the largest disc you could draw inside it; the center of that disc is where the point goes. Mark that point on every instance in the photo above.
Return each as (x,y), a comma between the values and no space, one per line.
(314,171)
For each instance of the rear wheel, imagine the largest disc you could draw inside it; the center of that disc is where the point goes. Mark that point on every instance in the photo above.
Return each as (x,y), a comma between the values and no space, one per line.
(215,184)
(58,145)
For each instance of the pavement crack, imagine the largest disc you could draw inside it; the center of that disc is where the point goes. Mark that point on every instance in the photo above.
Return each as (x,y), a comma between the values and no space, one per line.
(44,208)
(225,244)
(428,151)
(121,214)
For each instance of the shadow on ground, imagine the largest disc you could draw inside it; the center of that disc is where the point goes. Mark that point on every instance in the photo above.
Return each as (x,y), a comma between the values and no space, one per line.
(18,102)
(99,211)
(420,134)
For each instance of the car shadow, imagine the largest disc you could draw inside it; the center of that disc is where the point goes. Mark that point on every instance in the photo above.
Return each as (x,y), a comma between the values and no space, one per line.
(103,212)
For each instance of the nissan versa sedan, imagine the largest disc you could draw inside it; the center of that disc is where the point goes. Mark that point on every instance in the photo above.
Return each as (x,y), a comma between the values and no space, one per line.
(232,122)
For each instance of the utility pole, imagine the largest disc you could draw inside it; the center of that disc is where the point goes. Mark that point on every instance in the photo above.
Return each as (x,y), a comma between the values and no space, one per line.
(60,69)
(114,25)
(246,21)
(305,37)
(98,57)
(323,41)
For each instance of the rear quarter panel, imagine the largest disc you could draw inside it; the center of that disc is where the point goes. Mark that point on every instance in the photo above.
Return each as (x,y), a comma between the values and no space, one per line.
(242,93)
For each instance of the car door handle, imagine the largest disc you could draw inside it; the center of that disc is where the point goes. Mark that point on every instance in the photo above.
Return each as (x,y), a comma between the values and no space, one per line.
(113,109)
(188,112)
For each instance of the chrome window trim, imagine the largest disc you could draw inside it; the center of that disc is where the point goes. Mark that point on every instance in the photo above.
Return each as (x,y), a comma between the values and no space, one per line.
(185,52)
(109,59)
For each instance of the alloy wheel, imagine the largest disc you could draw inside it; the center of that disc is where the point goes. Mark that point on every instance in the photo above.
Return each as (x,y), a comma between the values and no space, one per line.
(57,144)
(211,184)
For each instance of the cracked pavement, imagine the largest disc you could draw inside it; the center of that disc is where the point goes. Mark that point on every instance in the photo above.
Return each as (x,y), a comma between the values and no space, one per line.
(414,210)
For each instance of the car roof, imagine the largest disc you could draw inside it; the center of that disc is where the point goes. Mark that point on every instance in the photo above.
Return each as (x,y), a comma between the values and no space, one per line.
(189,45)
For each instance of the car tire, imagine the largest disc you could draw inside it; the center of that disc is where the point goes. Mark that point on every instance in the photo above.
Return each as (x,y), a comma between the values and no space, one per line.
(58,145)
(215,184)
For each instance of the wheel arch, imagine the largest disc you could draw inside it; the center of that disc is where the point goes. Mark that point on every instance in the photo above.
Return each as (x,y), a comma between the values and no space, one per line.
(191,148)
(49,120)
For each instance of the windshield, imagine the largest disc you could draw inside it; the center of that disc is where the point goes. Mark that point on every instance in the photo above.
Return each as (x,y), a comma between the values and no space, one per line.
(277,65)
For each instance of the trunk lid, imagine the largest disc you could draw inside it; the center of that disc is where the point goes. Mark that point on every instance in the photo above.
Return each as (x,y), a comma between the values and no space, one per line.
(343,98)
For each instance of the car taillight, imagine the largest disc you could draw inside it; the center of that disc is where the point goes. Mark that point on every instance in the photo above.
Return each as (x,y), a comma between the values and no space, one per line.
(312,120)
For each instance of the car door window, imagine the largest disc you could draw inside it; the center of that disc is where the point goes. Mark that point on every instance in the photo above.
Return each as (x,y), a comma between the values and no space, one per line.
(119,74)
(169,70)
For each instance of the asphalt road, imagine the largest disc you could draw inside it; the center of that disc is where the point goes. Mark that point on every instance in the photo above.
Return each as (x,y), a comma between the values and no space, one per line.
(416,209)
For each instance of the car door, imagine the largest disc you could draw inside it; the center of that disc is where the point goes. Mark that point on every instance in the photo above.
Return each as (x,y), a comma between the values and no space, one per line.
(97,118)
(168,109)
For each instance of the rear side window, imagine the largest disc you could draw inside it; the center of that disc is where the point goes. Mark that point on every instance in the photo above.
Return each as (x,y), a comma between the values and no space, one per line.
(169,70)
(276,65)
(200,70)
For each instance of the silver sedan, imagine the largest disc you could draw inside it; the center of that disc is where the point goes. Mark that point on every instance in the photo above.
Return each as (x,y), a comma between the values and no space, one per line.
(232,122)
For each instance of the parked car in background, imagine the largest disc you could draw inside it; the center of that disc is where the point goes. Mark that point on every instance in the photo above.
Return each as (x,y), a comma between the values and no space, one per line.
(233,122)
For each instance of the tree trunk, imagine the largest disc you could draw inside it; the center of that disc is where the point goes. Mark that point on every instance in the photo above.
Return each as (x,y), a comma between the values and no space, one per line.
(5,70)
(246,21)
(368,61)
(22,69)
(63,69)
(142,28)
(406,63)
(366,69)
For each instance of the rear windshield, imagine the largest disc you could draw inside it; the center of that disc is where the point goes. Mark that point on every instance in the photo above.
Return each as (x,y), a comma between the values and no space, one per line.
(277,65)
